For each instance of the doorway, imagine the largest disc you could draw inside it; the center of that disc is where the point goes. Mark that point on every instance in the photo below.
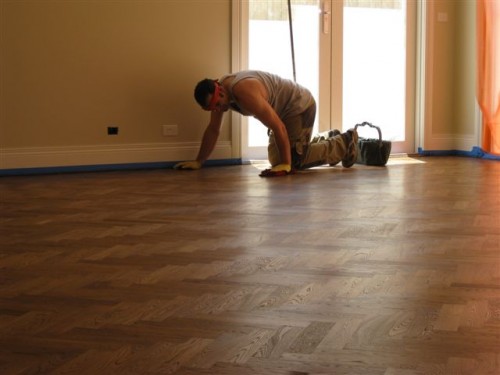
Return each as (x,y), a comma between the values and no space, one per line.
(357,57)
(269,49)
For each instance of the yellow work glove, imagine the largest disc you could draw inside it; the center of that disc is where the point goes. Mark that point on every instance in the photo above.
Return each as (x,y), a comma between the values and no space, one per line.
(192,164)
(277,170)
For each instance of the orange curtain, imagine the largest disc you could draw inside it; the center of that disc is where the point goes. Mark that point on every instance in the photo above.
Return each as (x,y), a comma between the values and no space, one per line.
(488,88)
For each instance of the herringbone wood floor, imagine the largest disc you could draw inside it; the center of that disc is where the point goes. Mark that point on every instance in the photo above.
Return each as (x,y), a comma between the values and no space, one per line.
(331,271)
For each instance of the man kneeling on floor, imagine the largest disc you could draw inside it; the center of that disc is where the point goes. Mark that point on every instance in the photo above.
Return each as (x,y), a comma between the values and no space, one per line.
(286,108)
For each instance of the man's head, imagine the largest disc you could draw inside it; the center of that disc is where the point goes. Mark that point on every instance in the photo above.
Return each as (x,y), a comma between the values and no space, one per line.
(210,95)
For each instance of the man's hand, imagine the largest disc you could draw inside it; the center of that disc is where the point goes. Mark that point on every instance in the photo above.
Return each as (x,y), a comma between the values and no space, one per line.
(276,171)
(193,164)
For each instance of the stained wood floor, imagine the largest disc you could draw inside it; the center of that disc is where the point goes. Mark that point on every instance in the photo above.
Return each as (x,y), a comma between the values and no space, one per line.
(331,271)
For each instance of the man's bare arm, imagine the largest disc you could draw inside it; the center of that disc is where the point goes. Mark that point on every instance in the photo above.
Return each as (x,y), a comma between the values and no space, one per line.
(210,136)
(252,96)
(208,142)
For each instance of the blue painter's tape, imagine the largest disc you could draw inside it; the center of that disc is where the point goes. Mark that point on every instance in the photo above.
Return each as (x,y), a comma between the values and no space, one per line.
(476,152)
(108,167)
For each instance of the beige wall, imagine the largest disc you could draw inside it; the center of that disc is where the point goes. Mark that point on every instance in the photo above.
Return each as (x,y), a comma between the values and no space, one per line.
(71,68)
(451,74)
(465,72)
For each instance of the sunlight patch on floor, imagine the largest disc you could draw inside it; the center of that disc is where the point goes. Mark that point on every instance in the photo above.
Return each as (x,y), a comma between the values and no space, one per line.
(396,159)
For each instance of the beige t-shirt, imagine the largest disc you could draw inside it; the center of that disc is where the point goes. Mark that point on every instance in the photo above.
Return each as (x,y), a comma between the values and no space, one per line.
(285,96)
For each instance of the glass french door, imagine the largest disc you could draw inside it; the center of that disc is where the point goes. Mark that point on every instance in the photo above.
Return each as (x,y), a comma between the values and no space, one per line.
(357,57)
(270,49)
(378,68)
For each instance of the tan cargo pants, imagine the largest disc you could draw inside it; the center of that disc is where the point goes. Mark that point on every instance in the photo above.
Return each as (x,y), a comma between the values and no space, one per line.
(307,153)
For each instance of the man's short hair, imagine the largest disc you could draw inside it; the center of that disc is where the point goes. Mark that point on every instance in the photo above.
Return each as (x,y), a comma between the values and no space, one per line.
(202,90)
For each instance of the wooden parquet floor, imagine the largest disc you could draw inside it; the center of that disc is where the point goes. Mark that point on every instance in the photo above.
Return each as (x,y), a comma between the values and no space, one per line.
(331,271)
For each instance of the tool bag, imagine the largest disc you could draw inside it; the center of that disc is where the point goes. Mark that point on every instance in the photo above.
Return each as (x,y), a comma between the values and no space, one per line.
(373,151)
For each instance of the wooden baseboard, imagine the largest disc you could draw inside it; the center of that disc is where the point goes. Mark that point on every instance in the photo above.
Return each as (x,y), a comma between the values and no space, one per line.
(450,142)
(46,157)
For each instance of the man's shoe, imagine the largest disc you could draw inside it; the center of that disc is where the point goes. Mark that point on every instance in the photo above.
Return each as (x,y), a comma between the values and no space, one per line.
(333,133)
(350,138)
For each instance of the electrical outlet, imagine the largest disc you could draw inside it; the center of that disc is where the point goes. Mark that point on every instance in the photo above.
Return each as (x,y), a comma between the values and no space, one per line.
(113,130)
(170,130)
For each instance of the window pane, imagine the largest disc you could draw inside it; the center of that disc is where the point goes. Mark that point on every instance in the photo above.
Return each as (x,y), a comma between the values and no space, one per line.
(374,65)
